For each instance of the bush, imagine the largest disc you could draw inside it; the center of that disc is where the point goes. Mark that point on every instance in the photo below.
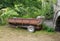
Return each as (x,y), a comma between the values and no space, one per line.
(4,16)
(2,22)
(28,9)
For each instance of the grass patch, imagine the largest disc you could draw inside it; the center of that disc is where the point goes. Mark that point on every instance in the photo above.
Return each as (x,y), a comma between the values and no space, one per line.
(44,32)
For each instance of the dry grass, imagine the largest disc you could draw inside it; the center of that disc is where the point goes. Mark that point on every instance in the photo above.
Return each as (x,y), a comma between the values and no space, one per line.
(13,34)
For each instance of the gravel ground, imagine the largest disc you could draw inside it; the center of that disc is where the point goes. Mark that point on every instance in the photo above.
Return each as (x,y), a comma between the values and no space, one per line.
(13,34)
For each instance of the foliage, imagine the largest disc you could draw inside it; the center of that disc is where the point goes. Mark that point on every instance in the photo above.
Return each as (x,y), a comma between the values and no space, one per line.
(26,8)
(54,1)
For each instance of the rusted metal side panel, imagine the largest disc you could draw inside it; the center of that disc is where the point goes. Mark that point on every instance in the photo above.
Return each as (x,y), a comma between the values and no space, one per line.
(24,21)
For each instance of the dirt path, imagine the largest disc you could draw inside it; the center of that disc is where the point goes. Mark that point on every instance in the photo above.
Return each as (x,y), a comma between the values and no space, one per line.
(13,34)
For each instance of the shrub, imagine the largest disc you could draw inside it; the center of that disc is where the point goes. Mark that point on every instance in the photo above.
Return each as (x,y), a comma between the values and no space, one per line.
(27,9)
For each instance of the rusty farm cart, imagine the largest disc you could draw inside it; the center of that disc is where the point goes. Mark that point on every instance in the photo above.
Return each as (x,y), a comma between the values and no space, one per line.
(31,23)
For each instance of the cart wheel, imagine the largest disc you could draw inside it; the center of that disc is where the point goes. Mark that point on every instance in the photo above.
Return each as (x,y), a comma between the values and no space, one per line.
(31,28)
